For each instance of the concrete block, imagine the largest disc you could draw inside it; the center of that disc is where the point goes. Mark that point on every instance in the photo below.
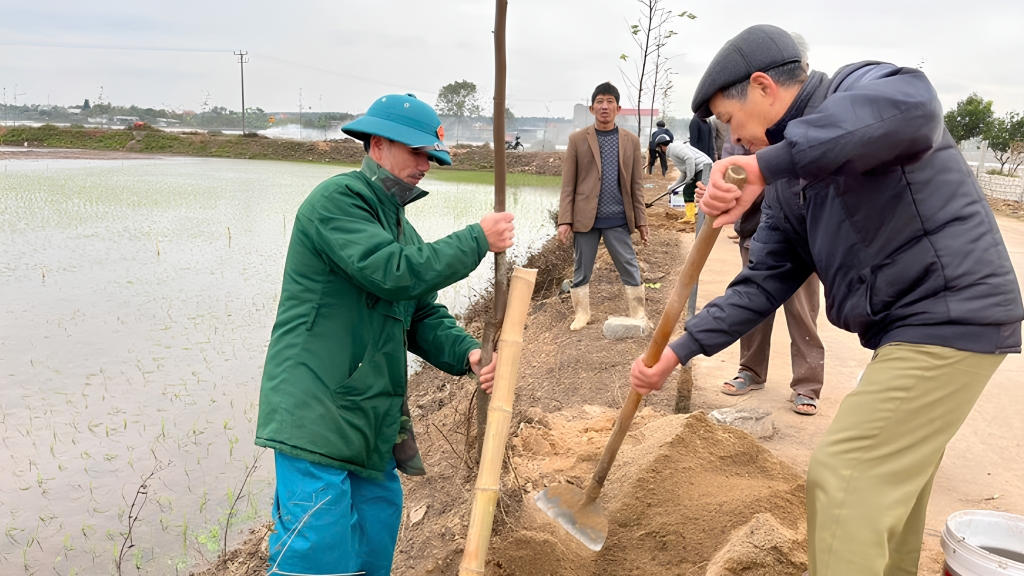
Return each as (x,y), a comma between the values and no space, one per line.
(757,422)
(623,327)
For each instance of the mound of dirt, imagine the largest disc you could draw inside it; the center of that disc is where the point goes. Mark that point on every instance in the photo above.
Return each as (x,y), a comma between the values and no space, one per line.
(1010,208)
(686,496)
(680,488)
(761,548)
(482,158)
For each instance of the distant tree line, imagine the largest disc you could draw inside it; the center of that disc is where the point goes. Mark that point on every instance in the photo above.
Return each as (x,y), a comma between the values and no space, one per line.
(973,118)
(218,117)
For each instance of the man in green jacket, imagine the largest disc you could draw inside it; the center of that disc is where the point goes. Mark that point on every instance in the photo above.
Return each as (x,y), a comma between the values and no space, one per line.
(360,291)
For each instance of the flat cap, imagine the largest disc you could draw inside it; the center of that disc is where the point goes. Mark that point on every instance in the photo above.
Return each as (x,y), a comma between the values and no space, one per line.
(756,49)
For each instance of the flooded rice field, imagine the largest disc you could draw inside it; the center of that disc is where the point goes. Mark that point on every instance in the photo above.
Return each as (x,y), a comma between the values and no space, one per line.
(136,302)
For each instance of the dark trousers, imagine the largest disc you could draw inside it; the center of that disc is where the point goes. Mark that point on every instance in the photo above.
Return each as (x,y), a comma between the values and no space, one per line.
(690,190)
(620,247)
(656,153)
(806,350)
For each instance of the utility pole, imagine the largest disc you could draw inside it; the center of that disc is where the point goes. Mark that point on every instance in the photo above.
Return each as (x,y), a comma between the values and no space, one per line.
(547,119)
(300,113)
(18,113)
(322,121)
(241,67)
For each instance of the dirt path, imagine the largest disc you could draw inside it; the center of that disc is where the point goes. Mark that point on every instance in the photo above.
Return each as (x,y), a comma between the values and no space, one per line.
(984,460)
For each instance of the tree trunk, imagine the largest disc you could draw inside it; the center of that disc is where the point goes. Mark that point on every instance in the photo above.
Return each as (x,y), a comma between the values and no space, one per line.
(643,66)
(493,330)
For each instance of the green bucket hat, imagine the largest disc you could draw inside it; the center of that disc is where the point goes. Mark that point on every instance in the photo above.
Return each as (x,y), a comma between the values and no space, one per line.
(405,119)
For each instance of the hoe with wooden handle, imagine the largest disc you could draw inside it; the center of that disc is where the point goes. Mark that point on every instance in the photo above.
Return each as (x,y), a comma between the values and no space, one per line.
(578,511)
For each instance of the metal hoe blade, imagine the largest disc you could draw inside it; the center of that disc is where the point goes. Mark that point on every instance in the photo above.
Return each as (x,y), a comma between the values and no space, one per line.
(583,519)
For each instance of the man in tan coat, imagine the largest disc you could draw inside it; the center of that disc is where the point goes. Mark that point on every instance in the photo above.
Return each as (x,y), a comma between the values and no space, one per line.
(602,196)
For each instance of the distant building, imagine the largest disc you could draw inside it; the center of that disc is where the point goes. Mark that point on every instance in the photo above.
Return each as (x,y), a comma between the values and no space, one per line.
(648,118)
(581,117)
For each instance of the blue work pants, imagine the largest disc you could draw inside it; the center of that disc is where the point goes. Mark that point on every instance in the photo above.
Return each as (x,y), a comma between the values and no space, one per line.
(331,522)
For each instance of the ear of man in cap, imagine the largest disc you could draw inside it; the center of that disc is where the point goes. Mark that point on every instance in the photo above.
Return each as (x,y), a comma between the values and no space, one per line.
(756,49)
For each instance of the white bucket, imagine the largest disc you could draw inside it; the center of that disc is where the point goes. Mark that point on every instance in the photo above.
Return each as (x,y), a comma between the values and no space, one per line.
(983,543)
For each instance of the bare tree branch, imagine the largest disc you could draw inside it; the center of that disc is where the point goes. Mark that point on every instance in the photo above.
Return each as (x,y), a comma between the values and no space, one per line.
(648,78)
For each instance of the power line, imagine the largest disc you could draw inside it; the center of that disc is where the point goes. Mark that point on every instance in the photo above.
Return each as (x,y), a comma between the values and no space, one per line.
(401,87)
(108,47)
(345,75)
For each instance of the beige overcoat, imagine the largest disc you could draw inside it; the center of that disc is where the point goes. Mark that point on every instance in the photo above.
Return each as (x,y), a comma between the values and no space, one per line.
(581,180)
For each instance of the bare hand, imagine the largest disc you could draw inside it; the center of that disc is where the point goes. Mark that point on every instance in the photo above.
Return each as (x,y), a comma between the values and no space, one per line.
(499,229)
(565,233)
(645,234)
(698,194)
(646,380)
(726,201)
(484,373)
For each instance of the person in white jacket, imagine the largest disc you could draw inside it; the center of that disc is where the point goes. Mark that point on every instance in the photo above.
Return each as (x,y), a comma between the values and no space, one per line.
(694,166)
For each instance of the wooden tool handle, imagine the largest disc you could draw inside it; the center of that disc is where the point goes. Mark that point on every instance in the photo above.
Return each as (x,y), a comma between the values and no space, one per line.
(695,260)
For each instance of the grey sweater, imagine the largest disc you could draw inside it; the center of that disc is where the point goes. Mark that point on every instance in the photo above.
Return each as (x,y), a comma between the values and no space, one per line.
(611,211)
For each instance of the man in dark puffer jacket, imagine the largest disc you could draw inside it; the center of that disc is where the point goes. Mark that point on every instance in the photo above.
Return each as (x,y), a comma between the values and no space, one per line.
(863,185)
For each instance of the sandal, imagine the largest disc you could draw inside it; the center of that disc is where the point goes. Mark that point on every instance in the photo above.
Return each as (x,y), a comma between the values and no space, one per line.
(741,384)
(801,401)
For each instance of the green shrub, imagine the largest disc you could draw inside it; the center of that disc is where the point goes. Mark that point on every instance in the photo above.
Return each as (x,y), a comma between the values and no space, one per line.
(998,172)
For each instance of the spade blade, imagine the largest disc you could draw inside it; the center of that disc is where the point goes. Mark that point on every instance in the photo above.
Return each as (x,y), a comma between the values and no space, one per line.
(584,519)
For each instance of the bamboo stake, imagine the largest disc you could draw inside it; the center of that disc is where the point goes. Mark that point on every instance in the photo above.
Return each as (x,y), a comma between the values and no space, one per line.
(493,327)
(499,419)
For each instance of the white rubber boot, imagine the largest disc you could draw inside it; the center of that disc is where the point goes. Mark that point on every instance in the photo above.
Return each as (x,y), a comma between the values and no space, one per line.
(635,297)
(581,304)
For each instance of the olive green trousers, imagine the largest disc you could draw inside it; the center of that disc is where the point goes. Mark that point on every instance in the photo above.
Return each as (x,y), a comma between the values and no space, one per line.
(869,479)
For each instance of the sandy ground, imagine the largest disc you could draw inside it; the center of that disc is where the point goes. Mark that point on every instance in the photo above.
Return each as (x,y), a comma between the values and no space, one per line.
(984,464)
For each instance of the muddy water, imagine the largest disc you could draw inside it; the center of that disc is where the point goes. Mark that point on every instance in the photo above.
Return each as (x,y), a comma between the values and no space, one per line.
(136,301)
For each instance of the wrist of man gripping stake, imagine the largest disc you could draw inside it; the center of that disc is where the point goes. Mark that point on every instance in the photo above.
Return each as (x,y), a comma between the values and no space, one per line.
(685,348)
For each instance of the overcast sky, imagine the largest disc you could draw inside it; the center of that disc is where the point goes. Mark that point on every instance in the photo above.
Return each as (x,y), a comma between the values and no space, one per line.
(343,54)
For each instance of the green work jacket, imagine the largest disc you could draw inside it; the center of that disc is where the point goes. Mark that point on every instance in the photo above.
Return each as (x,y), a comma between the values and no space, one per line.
(360,290)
